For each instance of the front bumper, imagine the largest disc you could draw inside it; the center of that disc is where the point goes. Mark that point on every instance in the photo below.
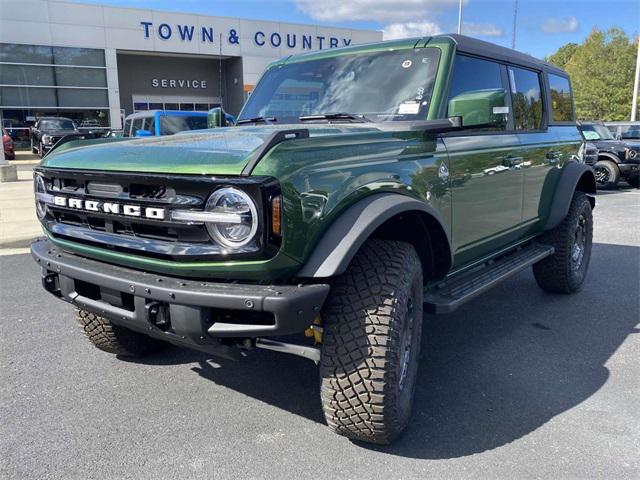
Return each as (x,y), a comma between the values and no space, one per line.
(189,313)
(629,168)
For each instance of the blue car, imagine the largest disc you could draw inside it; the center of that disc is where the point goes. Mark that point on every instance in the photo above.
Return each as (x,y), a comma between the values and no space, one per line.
(163,122)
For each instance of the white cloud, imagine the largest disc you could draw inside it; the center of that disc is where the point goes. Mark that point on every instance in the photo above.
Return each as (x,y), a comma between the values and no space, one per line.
(383,11)
(410,29)
(560,25)
(482,29)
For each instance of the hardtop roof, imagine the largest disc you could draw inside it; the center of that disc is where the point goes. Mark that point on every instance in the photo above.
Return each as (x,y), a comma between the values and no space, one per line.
(463,44)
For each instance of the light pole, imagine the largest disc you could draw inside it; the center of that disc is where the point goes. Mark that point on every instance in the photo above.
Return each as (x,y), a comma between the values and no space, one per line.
(634,104)
(459,17)
(513,31)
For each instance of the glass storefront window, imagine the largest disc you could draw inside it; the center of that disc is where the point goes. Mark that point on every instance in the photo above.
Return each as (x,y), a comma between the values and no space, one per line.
(71,97)
(28,97)
(25,54)
(26,75)
(80,77)
(87,57)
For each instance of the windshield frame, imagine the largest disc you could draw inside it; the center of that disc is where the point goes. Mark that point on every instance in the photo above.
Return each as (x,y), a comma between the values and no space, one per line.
(429,87)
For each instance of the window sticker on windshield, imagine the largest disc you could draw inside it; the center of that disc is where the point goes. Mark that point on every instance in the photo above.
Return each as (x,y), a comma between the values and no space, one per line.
(407,64)
(408,108)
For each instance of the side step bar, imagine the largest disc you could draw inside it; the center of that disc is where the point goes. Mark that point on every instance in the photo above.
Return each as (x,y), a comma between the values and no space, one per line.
(448,295)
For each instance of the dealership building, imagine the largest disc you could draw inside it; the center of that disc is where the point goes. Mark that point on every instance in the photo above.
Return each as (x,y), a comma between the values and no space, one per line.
(97,64)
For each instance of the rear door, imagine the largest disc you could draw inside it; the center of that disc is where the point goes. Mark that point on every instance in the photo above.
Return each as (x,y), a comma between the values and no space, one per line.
(547,134)
(486,180)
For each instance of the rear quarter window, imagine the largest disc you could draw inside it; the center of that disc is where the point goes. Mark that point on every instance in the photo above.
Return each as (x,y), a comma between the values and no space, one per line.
(561,104)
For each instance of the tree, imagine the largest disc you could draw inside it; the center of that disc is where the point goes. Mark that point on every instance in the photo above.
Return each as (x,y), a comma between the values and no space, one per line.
(601,70)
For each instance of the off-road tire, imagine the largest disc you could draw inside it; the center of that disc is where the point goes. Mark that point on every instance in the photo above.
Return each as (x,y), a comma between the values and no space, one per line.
(612,171)
(559,273)
(372,308)
(115,339)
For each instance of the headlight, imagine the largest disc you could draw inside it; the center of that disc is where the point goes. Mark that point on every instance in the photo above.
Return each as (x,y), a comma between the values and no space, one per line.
(40,193)
(235,202)
(230,215)
(632,153)
(581,152)
(46,139)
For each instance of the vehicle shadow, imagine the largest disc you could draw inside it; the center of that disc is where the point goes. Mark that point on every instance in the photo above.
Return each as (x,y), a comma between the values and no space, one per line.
(494,371)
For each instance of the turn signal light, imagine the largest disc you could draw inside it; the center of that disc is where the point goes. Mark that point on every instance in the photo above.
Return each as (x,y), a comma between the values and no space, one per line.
(276,215)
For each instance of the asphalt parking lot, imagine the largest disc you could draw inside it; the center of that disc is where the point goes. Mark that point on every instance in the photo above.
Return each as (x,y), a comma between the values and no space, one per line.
(516,384)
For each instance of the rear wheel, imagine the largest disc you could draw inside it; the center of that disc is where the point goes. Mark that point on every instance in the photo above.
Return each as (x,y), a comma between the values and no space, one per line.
(607,174)
(371,343)
(115,339)
(566,270)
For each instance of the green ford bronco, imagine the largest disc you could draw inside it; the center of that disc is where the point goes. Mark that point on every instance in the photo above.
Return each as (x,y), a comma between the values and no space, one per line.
(359,189)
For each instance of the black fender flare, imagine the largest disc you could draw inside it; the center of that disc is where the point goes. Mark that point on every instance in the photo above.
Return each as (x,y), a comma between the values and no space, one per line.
(574,176)
(608,156)
(339,244)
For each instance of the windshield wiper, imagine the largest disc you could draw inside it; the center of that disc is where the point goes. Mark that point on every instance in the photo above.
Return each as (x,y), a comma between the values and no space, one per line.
(256,120)
(334,116)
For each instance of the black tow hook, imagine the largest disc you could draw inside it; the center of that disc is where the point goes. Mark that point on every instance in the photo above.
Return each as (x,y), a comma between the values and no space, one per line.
(158,315)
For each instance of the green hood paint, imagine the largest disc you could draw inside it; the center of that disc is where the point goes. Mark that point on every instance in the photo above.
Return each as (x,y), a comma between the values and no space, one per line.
(221,151)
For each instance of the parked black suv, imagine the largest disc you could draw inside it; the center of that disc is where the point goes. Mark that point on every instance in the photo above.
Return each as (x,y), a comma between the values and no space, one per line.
(48,130)
(616,158)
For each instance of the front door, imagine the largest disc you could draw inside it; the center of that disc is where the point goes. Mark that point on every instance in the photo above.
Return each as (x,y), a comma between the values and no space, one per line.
(486,175)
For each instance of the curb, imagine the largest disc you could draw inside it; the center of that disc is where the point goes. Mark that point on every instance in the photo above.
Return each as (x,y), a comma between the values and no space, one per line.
(18,242)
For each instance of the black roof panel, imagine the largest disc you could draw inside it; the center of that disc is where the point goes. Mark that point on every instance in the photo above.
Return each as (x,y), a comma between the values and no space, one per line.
(491,50)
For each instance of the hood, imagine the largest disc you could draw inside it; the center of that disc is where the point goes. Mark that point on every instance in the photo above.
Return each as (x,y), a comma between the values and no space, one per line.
(611,145)
(220,151)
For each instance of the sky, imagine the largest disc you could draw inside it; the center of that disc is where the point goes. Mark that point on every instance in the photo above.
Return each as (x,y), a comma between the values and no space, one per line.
(542,26)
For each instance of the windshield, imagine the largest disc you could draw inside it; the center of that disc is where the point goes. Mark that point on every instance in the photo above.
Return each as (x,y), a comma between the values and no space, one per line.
(57,124)
(596,132)
(174,124)
(381,86)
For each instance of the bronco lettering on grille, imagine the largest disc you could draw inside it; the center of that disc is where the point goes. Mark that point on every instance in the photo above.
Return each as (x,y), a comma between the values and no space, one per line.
(110,207)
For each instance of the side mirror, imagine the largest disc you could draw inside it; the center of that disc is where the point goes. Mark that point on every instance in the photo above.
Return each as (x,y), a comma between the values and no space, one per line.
(144,133)
(216,118)
(480,108)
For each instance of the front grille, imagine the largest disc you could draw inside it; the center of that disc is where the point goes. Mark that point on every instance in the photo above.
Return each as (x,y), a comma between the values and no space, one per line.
(163,239)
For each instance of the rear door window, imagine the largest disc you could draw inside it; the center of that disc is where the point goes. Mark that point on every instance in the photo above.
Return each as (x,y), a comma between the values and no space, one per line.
(561,105)
(526,98)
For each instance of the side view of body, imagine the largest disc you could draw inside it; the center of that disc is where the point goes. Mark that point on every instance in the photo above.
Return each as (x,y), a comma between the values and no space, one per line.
(360,189)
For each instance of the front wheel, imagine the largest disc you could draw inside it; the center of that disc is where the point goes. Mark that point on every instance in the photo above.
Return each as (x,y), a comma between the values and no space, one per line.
(115,339)
(371,343)
(607,174)
(566,270)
